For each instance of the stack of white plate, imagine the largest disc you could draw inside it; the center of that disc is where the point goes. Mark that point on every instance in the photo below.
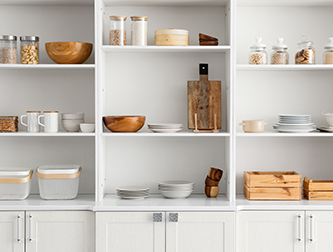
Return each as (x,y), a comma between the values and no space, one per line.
(132,192)
(294,124)
(175,189)
(165,127)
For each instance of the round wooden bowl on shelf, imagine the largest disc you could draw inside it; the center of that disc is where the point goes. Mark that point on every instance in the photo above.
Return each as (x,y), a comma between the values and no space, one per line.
(68,52)
(124,123)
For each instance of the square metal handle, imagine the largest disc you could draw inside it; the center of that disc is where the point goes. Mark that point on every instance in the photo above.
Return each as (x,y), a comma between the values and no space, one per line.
(157,217)
(173,217)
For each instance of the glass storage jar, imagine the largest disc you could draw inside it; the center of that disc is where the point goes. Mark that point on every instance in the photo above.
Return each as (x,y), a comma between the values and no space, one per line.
(29,49)
(139,30)
(279,55)
(328,53)
(117,30)
(305,53)
(8,49)
(258,54)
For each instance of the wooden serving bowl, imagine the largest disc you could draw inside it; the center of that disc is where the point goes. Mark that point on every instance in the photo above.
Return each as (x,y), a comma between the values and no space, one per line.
(68,52)
(124,123)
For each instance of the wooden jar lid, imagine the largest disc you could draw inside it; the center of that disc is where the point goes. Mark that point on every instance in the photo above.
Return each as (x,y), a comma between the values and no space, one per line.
(118,18)
(50,112)
(172,31)
(139,18)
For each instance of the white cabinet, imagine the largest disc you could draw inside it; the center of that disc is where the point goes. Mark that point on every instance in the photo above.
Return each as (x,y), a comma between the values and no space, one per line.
(272,231)
(11,231)
(160,231)
(47,231)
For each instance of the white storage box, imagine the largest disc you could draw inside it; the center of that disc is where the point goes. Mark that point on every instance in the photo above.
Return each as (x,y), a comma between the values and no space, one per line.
(58,181)
(15,183)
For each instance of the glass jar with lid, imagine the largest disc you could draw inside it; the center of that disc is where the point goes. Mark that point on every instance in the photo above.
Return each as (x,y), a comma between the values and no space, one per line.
(305,53)
(328,53)
(279,55)
(258,54)
(139,30)
(29,49)
(117,30)
(8,49)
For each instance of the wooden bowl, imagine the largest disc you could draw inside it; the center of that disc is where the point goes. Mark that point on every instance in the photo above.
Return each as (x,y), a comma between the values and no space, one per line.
(68,52)
(124,123)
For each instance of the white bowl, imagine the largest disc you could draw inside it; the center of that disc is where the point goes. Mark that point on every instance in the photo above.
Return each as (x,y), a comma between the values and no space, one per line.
(176,194)
(72,116)
(71,125)
(87,127)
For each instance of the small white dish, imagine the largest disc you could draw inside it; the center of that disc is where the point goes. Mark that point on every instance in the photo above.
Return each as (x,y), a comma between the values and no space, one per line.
(87,127)
(176,194)
(165,130)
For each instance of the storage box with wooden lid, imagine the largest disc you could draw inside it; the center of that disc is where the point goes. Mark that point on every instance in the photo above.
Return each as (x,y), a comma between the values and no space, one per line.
(8,123)
(171,37)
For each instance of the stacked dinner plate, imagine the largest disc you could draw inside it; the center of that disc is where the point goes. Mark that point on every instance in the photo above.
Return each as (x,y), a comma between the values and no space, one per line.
(175,189)
(294,124)
(132,192)
(165,127)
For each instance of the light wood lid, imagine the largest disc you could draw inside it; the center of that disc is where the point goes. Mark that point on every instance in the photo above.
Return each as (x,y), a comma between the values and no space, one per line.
(172,32)
(33,111)
(118,18)
(50,112)
(139,18)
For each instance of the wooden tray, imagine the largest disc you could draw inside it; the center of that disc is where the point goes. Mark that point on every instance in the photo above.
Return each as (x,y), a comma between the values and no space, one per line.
(318,189)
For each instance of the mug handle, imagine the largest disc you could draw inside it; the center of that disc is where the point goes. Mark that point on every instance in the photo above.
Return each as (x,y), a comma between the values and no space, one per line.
(22,120)
(39,122)
(242,124)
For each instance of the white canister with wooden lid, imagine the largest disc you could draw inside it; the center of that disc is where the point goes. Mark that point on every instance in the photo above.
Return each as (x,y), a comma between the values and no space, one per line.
(171,37)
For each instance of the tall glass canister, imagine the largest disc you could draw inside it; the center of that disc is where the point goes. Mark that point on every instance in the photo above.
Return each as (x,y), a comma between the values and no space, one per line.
(29,49)
(8,49)
(117,30)
(139,30)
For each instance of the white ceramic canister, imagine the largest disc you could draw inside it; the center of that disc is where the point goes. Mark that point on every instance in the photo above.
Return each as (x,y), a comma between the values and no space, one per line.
(253,126)
(32,121)
(50,121)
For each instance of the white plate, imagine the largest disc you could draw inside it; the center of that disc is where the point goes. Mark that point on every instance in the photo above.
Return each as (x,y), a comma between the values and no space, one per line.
(325,129)
(125,197)
(295,131)
(291,115)
(287,124)
(132,188)
(176,183)
(165,130)
(164,126)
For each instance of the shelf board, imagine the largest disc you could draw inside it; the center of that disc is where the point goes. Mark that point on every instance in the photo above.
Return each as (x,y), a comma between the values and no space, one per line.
(285,3)
(176,134)
(278,134)
(47,2)
(206,3)
(43,134)
(317,67)
(165,49)
(46,66)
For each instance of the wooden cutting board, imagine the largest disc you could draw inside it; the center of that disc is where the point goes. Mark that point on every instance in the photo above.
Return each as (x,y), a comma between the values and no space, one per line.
(204,99)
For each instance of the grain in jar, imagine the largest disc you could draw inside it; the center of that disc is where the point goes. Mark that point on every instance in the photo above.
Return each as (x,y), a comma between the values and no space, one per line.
(139,30)
(328,53)
(8,49)
(305,53)
(258,54)
(279,56)
(29,49)
(117,30)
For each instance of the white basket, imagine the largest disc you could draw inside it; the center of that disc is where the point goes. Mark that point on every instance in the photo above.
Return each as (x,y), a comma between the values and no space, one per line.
(15,184)
(58,182)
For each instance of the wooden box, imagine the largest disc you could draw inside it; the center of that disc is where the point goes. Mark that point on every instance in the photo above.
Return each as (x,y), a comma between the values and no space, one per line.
(171,37)
(272,185)
(318,189)
(8,123)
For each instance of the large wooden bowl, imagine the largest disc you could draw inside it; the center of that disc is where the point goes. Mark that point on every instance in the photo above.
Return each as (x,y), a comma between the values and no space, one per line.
(124,123)
(68,52)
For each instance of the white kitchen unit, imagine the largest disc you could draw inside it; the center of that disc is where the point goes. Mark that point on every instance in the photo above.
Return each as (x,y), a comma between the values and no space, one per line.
(12,231)
(165,231)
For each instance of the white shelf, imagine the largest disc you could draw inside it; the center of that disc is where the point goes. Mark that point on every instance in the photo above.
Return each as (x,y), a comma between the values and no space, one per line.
(166,2)
(176,134)
(285,3)
(318,67)
(46,2)
(43,134)
(166,49)
(46,66)
(278,134)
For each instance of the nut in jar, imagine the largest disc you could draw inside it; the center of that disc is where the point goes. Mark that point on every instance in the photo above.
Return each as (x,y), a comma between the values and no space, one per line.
(305,53)
(29,50)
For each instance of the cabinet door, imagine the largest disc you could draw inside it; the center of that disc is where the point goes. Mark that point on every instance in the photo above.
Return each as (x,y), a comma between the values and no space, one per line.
(273,231)
(130,232)
(319,231)
(200,231)
(12,231)
(55,231)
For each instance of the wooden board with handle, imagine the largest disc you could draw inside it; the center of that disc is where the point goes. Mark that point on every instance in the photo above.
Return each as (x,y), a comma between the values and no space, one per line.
(204,99)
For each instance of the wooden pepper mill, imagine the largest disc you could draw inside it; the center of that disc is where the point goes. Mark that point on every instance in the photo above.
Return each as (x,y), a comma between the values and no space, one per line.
(212,182)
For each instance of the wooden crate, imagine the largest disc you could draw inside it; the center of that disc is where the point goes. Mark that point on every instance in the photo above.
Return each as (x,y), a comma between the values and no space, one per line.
(272,185)
(318,189)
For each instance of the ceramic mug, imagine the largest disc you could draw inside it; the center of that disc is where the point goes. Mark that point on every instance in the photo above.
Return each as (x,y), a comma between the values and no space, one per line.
(329,118)
(32,121)
(50,121)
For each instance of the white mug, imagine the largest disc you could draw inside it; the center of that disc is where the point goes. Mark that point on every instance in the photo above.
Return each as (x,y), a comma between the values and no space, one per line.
(50,121)
(32,121)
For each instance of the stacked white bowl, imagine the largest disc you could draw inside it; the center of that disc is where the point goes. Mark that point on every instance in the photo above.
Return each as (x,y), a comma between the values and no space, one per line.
(71,121)
(165,127)
(176,189)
